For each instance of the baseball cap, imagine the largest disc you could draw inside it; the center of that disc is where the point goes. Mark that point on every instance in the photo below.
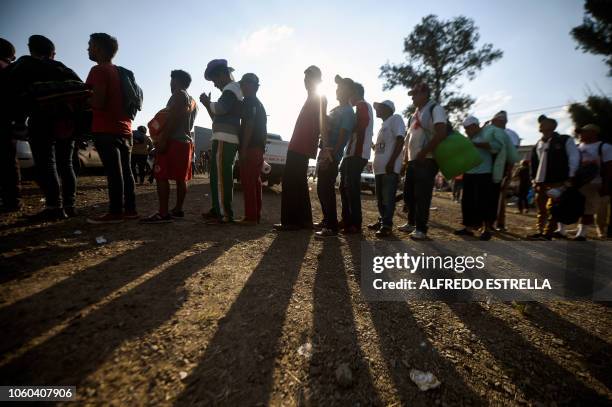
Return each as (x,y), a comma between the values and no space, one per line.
(591,127)
(501,115)
(419,87)
(313,71)
(386,103)
(542,118)
(348,82)
(250,78)
(215,65)
(468,121)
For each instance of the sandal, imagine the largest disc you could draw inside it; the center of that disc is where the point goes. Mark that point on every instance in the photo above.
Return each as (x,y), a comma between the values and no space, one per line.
(157,218)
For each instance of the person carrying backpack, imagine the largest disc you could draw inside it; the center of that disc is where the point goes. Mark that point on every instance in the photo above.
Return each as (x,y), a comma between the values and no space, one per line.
(112,128)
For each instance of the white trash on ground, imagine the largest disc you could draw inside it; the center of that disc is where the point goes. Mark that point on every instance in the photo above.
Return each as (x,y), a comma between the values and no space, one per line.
(424,380)
(101,240)
(305,350)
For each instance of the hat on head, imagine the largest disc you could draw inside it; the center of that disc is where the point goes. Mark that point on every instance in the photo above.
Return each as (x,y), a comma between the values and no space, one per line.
(590,127)
(419,87)
(468,121)
(250,78)
(543,118)
(501,115)
(389,104)
(313,71)
(214,66)
(348,82)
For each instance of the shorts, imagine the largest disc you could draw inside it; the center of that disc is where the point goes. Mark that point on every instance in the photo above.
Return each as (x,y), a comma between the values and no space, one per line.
(175,162)
(592,198)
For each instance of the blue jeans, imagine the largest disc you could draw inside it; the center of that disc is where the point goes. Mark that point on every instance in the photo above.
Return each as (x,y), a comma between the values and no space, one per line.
(53,165)
(350,189)
(386,187)
(418,191)
(114,151)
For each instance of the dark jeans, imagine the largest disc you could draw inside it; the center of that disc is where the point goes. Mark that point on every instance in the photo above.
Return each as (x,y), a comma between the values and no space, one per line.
(10,177)
(386,187)
(295,198)
(350,189)
(326,190)
(523,203)
(139,166)
(478,205)
(418,190)
(114,151)
(53,165)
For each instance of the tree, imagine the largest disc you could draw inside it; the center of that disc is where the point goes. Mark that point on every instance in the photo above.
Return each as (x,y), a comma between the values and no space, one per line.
(596,110)
(440,53)
(595,33)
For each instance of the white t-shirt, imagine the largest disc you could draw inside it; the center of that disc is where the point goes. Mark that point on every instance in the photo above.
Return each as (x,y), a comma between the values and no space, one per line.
(589,153)
(391,129)
(420,135)
(514,138)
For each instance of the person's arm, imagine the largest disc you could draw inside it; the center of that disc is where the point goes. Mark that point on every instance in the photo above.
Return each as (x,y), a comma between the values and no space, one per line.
(248,118)
(347,122)
(205,100)
(178,106)
(573,156)
(361,125)
(98,84)
(397,149)
(439,120)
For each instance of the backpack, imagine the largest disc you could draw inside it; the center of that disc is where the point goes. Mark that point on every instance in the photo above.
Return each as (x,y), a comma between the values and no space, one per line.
(132,93)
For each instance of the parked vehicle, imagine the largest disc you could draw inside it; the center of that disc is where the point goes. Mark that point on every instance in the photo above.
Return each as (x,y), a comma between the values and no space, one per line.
(275,155)
(24,155)
(368,182)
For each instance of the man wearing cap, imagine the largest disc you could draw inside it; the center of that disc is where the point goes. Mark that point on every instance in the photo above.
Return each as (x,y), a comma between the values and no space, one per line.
(426,129)
(479,202)
(341,122)
(554,161)
(387,165)
(500,120)
(597,192)
(356,156)
(225,114)
(253,134)
(296,211)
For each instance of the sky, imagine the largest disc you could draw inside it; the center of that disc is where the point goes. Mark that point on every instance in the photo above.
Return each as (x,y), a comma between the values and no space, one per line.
(540,72)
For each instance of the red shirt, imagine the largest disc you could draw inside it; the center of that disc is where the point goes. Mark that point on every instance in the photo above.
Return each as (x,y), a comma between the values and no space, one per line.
(110,119)
(305,138)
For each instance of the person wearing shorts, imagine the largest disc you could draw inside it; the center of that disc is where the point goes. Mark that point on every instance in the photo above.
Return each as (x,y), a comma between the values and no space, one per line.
(174,149)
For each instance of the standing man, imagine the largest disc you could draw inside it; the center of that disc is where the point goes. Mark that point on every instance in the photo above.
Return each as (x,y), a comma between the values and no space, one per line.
(554,161)
(522,173)
(597,192)
(355,158)
(142,145)
(478,202)
(500,120)
(112,129)
(9,174)
(174,147)
(296,212)
(253,135)
(426,129)
(341,123)
(387,165)
(225,114)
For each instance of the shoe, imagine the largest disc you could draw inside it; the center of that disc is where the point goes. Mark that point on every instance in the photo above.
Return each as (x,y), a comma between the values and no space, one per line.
(406,228)
(558,235)
(70,212)
(157,218)
(176,213)
(384,231)
(103,219)
(351,230)
(485,236)
(536,236)
(342,224)
(501,229)
(218,221)
(246,222)
(579,239)
(463,232)
(210,215)
(418,235)
(318,225)
(325,232)
(374,226)
(49,215)
(279,227)
(130,215)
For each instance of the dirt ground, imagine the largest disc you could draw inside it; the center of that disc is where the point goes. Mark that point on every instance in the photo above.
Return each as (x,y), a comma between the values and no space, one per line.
(189,314)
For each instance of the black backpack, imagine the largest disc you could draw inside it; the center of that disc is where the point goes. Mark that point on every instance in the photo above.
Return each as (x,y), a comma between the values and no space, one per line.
(132,93)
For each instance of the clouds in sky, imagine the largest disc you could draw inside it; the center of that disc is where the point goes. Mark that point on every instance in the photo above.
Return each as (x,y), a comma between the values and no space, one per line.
(265,40)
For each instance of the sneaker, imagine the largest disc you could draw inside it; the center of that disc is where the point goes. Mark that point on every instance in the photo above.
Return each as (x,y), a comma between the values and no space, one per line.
(279,227)
(485,236)
(209,215)
(536,236)
(70,211)
(130,215)
(218,221)
(157,218)
(559,235)
(351,230)
(246,222)
(325,232)
(463,232)
(579,239)
(107,218)
(501,228)
(418,235)
(318,225)
(374,226)
(406,228)
(176,213)
(384,231)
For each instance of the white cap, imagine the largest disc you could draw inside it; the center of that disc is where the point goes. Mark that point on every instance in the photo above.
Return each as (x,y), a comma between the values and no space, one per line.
(470,120)
(387,103)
